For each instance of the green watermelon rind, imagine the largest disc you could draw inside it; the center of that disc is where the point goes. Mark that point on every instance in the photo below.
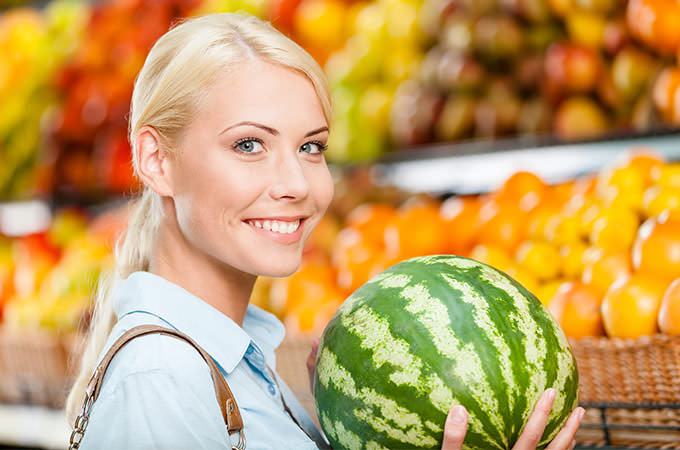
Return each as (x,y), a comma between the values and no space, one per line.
(402,332)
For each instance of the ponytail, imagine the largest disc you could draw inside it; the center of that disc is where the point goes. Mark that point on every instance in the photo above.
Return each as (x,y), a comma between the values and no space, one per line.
(132,253)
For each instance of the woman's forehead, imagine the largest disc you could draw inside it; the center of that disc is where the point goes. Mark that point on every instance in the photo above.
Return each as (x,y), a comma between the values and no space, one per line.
(262,89)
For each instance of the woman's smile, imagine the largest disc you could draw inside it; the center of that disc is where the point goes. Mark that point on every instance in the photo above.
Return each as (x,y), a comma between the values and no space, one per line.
(286,230)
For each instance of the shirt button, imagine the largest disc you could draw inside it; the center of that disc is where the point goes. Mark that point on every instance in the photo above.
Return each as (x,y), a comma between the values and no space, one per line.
(272,390)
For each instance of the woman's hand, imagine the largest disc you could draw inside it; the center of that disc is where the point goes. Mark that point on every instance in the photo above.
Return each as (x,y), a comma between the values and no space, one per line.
(311,363)
(456,421)
(456,427)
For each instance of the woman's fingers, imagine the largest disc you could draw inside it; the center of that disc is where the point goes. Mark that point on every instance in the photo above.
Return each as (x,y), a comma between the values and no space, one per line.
(455,428)
(565,438)
(311,363)
(533,430)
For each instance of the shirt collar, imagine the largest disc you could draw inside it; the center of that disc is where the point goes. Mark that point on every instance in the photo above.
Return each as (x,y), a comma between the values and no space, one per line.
(219,335)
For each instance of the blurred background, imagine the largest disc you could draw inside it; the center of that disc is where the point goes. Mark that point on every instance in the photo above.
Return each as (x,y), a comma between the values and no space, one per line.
(539,136)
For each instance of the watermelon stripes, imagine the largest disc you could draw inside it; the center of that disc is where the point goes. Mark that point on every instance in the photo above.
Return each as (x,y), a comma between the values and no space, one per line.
(432,332)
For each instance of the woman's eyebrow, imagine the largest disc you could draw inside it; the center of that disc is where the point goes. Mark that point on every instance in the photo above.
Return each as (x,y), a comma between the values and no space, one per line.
(317,131)
(270,130)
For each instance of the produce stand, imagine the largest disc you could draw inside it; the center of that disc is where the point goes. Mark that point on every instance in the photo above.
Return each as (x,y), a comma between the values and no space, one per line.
(472,77)
(631,393)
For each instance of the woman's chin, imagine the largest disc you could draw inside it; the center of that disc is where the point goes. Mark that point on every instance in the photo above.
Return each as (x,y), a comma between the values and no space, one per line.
(279,270)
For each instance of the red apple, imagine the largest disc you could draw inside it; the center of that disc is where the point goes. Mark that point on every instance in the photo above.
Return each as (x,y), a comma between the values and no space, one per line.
(572,68)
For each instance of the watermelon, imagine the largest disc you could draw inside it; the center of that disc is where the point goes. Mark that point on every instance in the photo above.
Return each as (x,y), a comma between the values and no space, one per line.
(432,332)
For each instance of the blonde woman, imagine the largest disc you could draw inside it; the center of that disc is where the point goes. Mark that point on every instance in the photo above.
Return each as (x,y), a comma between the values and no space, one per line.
(228,125)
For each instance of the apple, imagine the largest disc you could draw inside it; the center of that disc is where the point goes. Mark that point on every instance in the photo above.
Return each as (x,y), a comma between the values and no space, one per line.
(579,118)
(632,71)
(459,72)
(573,68)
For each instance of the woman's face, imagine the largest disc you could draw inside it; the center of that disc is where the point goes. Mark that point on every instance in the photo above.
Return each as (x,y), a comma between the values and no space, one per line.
(251,181)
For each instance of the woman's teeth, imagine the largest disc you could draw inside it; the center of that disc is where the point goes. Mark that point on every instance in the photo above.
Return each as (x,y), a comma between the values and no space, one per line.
(276,226)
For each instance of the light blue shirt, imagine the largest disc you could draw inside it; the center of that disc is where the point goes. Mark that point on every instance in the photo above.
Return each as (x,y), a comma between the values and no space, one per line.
(158,393)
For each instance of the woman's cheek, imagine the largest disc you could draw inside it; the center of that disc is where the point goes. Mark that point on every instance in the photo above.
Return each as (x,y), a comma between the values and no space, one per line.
(326,190)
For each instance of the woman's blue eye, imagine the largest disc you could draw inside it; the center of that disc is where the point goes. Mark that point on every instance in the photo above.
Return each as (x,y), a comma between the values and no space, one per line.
(313,148)
(248,145)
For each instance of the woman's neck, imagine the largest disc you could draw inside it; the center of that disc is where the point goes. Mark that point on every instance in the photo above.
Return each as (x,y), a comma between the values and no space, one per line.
(223,287)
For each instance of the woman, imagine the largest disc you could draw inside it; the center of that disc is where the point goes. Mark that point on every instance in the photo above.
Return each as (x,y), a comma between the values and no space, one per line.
(228,125)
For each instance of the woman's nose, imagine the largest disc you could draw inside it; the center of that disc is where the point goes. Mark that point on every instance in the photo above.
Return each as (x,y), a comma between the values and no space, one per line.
(289,180)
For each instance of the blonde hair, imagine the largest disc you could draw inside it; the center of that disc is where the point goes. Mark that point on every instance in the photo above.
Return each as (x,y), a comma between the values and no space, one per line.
(168,90)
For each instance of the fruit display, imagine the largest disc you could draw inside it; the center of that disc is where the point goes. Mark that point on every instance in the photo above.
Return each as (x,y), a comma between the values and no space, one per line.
(384,50)
(47,279)
(435,331)
(600,251)
(33,44)
(319,26)
(87,148)
(565,68)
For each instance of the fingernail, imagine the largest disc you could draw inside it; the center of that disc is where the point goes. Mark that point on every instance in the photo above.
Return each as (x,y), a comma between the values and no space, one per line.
(580,412)
(457,414)
(551,394)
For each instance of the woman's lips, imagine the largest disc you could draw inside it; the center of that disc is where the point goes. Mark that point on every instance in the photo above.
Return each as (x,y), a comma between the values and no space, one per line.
(284,238)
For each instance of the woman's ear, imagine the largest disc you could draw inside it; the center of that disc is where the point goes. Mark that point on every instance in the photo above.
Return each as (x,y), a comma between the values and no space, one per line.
(154,163)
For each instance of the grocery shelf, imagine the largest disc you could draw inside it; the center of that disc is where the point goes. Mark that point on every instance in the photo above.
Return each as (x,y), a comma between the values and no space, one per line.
(481,166)
(23,217)
(33,426)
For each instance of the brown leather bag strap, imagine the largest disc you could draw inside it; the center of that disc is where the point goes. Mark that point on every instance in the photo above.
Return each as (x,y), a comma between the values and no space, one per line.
(225,398)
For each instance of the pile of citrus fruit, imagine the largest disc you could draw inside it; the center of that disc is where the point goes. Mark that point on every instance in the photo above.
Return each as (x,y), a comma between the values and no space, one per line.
(602,251)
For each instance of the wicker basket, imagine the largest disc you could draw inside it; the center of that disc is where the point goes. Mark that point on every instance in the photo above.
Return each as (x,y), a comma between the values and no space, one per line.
(35,367)
(630,388)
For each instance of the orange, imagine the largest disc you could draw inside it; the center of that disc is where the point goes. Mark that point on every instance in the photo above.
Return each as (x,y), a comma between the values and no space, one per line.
(502,225)
(539,218)
(615,229)
(576,307)
(523,277)
(630,307)
(324,235)
(644,160)
(667,175)
(669,313)
(572,259)
(460,215)
(371,219)
(546,291)
(311,282)
(540,258)
(665,92)
(623,186)
(585,185)
(321,23)
(494,256)
(561,193)
(655,22)
(658,199)
(563,229)
(603,268)
(588,212)
(525,189)
(416,230)
(657,248)
(353,258)
(311,317)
